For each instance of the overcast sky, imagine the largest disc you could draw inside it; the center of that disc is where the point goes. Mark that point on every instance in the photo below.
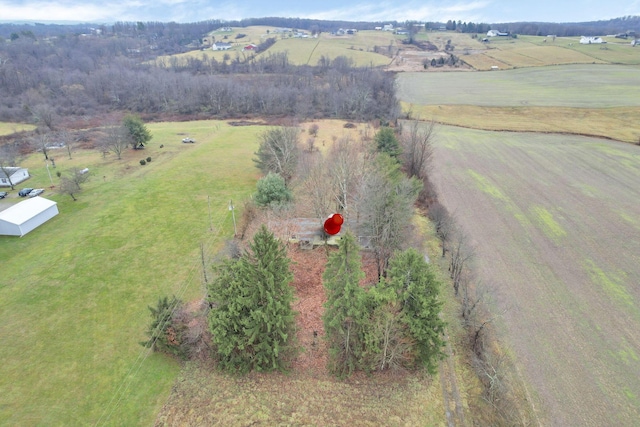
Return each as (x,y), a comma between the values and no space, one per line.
(489,11)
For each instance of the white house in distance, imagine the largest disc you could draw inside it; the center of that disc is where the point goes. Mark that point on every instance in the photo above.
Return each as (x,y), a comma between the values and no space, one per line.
(17,175)
(495,33)
(221,46)
(25,216)
(591,40)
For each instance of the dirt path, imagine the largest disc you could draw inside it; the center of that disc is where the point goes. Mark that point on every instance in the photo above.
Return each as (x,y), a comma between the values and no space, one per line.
(555,221)
(450,395)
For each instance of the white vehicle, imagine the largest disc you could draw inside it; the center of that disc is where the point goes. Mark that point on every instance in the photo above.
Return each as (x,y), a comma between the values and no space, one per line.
(36,192)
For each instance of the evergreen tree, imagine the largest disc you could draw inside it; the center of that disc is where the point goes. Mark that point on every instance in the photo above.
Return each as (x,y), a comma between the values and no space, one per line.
(165,334)
(138,132)
(252,321)
(272,191)
(417,290)
(388,343)
(386,142)
(345,314)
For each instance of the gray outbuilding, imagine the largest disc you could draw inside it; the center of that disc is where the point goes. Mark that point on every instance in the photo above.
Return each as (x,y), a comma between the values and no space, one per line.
(25,216)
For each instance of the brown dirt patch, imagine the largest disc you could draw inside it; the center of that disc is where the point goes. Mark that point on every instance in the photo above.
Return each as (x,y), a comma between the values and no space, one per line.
(308,267)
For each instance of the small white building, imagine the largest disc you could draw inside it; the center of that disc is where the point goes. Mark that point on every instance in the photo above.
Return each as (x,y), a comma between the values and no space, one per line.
(496,33)
(221,46)
(25,216)
(591,40)
(16,174)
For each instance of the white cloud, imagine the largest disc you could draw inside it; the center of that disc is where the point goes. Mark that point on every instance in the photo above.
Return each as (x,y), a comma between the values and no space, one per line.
(394,11)
(48,11)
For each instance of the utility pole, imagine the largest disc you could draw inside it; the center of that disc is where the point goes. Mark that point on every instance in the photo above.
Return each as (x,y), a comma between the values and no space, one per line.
(49,172)
(233,215)
(210,223)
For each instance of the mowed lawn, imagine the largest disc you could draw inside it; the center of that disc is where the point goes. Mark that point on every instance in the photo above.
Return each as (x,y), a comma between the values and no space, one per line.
(74,292)
(555,222)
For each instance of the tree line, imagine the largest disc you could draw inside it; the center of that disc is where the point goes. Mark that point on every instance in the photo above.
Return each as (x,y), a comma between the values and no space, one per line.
(75,76)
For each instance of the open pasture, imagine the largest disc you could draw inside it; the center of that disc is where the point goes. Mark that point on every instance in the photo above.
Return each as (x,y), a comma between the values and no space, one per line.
(533,51)
(596,100)
(554,219)
(579,86)
(7,128)
(300,51)
(74,292)
(359,47)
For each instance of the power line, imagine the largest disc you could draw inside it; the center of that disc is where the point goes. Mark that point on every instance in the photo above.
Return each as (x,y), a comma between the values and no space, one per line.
(144,354)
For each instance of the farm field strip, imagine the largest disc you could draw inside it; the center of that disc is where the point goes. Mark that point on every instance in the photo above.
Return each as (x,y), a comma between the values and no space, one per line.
(70,321)
(553,221)
(621,123)
(578,86)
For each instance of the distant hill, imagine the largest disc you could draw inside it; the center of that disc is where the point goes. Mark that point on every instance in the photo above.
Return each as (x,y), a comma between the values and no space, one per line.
(571,29)
(189,31)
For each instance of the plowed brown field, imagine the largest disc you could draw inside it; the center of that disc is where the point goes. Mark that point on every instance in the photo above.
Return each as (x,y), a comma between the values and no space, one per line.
(556,224)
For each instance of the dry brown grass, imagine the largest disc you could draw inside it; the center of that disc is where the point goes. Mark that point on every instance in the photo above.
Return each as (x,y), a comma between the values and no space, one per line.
(620,123)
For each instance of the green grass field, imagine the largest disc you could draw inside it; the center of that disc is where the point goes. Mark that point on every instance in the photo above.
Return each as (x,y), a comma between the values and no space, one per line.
(9,128)
(578,86)
(535,51)
(74,292)
(301,51)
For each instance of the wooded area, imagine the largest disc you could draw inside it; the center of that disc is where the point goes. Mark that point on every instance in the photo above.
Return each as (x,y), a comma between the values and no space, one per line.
(44,80)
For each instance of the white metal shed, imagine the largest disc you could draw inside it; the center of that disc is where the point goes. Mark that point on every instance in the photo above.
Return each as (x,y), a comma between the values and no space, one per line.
(25,216)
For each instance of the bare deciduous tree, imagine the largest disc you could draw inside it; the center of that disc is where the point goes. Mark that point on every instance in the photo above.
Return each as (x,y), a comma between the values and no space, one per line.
(115,140)
(278,151)
(417,148)
(41,143)
(444,224)
(388,198)
(461,255)
(71,183)
(9,155)
(342,168)
(317,189)
(44,115)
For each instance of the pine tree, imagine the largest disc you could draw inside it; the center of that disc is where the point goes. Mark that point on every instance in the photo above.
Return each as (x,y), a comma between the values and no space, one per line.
(345,313)
(165,334)
(137,131)
(417,289)
(252,321)
(386,142)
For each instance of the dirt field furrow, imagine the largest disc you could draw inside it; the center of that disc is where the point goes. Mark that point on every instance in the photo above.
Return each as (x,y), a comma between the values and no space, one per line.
(556,224)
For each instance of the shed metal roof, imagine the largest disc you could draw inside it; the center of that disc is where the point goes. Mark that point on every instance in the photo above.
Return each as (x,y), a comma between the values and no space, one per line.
(22,212)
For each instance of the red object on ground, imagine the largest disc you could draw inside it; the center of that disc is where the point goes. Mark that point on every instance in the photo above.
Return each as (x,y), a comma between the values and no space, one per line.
(333,224)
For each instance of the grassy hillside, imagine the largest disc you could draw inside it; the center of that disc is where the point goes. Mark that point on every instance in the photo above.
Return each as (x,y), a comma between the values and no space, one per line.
(536,51)
(74,292)
(301,51)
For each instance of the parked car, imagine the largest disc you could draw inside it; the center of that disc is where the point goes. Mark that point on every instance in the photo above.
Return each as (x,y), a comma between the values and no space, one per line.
(3,194)
(36,192)
(25,192)
(188,140)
